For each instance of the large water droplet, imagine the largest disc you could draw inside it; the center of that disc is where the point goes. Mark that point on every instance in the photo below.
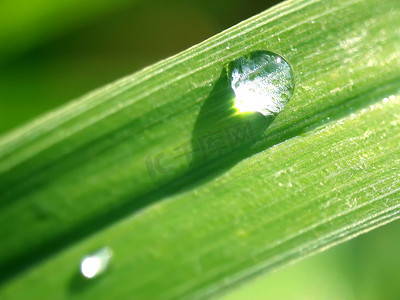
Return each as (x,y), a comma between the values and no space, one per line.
(262,81)
(96,263)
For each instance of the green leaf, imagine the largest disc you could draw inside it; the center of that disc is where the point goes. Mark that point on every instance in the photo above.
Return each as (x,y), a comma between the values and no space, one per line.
(110,169)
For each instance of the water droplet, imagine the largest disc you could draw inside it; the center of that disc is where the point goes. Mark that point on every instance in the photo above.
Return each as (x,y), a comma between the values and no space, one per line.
(96,263)
(262,81)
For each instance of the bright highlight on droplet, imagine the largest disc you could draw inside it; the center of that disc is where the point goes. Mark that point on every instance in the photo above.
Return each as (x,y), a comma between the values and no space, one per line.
(96,263)
(262,81)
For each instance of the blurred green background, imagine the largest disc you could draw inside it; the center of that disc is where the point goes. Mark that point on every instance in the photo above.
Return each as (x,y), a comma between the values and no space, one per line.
(54,51)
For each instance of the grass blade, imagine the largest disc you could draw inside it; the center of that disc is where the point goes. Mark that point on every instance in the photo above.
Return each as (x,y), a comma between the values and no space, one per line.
(324,170)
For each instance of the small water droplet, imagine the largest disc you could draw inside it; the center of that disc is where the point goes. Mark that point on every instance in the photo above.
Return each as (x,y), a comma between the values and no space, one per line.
(96,263)
(262,81)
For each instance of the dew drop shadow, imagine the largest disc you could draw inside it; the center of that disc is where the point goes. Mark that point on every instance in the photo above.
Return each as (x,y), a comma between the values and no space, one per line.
(222,136)
(78,284)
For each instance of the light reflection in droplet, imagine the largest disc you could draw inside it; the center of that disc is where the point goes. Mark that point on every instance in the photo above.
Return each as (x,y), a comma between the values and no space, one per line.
(96,263)
(262,82)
